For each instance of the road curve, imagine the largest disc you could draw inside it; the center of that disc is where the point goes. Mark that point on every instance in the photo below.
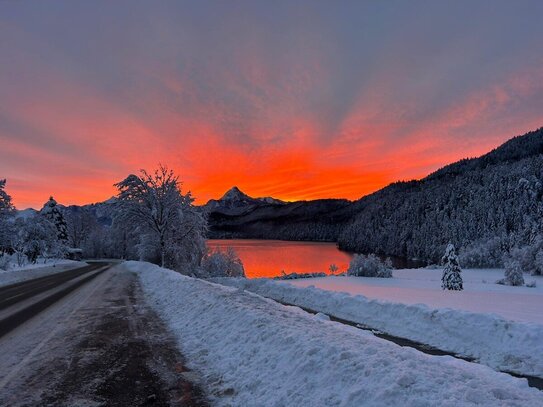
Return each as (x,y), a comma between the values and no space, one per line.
(21,301)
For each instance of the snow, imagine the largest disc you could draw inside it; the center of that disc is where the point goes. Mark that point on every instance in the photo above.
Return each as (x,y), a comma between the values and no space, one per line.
(495,341)
(422,286)
(29,271)
(252,351)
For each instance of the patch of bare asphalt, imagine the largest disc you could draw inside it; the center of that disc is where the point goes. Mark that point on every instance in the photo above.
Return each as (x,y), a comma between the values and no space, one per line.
(125,357)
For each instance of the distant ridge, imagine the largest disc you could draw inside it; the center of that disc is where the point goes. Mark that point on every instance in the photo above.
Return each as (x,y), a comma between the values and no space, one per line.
(234,201)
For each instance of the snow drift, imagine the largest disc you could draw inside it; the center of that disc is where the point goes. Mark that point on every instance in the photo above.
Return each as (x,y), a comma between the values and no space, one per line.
(252,351)
(496,342)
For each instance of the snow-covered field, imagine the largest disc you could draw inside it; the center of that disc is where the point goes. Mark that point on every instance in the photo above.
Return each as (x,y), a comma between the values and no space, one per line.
(413,306)
(252,351)
(423,286)
(30,271)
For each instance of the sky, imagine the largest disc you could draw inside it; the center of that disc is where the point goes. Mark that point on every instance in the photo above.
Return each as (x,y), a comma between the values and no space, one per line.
(291,99)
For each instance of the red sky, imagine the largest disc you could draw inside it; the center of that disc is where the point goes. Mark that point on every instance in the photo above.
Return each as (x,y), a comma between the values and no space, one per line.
(290,101)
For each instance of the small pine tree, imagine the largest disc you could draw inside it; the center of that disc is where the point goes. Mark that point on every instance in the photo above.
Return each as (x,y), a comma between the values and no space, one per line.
(513,273)
(451,278)
(51,211)
(6,211)
(5,200)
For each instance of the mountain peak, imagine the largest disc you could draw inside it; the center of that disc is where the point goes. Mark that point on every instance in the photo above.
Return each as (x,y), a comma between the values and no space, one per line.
(234,201)
(234,194)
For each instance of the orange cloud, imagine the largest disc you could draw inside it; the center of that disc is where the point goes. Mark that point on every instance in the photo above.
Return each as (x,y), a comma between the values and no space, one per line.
(323,107)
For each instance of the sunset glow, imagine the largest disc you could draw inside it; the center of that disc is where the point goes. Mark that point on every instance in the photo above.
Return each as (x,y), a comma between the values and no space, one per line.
(297,102)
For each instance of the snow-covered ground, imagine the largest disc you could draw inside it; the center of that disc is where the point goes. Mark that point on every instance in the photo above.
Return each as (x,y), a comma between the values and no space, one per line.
(252,351)
(30,271)
(465,323)
(423,286)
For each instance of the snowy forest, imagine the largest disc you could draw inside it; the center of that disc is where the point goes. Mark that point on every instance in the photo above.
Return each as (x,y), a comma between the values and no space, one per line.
(491,208)
(152,220)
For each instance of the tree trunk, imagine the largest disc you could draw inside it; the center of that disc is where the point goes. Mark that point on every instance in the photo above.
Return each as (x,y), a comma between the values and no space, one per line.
(162,252)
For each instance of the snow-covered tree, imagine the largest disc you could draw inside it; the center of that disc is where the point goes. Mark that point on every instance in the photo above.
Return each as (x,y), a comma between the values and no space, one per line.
(369,266)
(5,260)
(6,212)
(222,264)
(451,278)
(513,273)
(97,244)
(52,212)
(530,256)
(5,200)
(36,237)
(79,225)
(171,228)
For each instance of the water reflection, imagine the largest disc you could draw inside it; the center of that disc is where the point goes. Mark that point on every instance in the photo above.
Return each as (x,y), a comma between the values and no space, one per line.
(266,258)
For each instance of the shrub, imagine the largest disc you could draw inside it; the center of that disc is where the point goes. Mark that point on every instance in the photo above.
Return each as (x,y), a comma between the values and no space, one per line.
(222,264)
(369,266)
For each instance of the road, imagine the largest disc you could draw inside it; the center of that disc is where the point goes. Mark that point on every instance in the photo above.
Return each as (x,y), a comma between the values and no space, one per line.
(86,337)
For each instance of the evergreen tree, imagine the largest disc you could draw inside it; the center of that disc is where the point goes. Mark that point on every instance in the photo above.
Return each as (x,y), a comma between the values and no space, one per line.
(52,212)
(6,207)
(451,278)
(6,211)
(513,273)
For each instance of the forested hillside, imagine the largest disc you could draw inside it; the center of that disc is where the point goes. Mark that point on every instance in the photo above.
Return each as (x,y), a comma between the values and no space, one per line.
(488,207)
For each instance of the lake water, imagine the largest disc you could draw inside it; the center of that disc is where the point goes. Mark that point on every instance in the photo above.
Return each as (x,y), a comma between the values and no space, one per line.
(266,258)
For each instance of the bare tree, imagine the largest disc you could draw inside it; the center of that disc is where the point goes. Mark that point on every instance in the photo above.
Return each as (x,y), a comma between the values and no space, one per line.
(164,217)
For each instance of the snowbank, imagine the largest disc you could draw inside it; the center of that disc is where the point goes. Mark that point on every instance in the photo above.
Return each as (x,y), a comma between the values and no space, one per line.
(496,342)
(252,351)
(30,271)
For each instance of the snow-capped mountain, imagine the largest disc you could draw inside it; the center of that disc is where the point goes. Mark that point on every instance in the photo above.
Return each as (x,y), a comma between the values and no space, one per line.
(234,201)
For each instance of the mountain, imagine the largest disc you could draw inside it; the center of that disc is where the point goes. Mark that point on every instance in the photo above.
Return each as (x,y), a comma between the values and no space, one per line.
(488,207)
(301,220)
(101,211)
(235,202)
(237,215)
(26,213)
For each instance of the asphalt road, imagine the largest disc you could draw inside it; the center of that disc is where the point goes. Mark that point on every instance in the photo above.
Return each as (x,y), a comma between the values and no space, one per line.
(86,337)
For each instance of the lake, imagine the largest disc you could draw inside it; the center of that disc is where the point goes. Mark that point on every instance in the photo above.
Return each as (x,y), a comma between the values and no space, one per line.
(266,258)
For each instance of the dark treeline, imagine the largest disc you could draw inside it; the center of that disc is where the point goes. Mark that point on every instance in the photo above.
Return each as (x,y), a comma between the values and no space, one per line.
(489,207)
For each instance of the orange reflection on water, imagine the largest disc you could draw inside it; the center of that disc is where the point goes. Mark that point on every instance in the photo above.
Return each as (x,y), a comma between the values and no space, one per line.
(266,258)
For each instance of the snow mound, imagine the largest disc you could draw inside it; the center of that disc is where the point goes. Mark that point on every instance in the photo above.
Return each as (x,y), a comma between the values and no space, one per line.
(496,342)
(252,351)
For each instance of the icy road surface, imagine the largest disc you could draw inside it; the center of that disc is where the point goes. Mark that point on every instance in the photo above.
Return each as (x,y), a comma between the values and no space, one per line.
(100,345)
